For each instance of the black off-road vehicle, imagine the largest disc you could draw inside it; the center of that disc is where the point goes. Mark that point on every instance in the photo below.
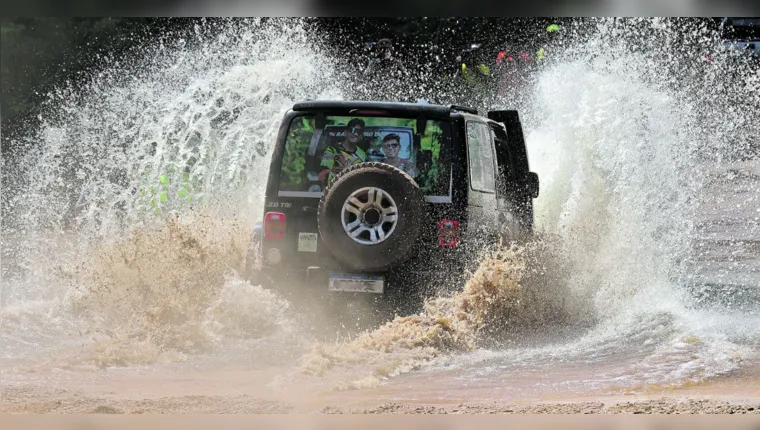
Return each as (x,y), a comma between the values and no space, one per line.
(385,198)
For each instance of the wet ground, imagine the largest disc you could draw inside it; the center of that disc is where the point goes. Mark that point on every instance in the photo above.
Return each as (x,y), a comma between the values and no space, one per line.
(283,360)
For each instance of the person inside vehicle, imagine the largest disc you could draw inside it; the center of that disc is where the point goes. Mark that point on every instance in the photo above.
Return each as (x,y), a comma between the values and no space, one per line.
(391,148)
(343,154)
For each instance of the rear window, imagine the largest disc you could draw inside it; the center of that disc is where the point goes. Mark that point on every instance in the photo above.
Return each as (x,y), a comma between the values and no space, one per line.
(313,157)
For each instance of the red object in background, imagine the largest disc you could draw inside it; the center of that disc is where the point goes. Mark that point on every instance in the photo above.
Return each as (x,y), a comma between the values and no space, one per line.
(274,225)
(503,56)
(448,233)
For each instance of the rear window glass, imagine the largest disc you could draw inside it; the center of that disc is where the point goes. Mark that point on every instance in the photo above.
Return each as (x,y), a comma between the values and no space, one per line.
(313,157)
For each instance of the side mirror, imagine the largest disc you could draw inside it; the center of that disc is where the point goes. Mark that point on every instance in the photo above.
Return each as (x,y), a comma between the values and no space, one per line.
(531,184)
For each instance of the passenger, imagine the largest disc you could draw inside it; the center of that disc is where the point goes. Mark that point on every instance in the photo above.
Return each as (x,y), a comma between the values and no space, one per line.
(391,147)
(344,154)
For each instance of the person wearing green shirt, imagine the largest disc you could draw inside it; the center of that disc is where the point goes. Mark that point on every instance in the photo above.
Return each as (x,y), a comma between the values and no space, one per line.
(551,30)
(345,154)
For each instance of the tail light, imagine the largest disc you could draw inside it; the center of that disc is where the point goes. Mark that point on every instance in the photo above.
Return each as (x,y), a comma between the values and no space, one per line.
(448,233)
(274,225)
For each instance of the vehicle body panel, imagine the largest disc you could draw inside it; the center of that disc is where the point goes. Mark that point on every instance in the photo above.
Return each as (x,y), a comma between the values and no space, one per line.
(479,212)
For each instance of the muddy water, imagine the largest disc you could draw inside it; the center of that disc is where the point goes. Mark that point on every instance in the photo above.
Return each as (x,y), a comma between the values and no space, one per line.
(247,350)
(642,281)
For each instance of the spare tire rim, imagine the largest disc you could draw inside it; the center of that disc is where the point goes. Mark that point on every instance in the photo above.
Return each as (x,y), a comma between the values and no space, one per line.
(369,215)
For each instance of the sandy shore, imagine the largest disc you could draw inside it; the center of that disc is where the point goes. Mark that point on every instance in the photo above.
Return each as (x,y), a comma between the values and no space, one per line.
(38,400)
(241,392)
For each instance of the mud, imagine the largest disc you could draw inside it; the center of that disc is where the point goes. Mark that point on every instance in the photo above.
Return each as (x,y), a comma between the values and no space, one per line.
(39,400)
(31,400)
(662,406)
(513,290)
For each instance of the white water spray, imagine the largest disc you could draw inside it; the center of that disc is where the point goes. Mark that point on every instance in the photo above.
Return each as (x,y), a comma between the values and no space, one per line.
(184,130)
(620,153)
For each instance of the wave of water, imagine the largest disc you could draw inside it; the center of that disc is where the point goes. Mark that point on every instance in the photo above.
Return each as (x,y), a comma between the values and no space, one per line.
(624,139)
(85,246)
(626,146)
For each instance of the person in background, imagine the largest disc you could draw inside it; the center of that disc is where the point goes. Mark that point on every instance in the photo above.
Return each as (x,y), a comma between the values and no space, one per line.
(385,62)
(552,35)
(169,187)
(512,67)
(385,77)
(470,67)
(473,79)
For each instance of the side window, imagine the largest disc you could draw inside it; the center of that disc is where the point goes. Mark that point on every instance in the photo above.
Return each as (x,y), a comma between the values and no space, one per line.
(503,160)
(480,154)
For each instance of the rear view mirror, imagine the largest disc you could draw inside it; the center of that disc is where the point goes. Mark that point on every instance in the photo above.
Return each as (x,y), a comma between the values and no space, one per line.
(531,184)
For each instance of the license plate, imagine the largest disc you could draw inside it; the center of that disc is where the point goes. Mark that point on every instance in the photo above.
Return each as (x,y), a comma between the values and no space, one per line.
(356,283)
(307,242)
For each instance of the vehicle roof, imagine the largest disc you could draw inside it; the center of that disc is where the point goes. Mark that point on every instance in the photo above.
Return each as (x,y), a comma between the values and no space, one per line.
(741,21)
(740,28)
(390,107)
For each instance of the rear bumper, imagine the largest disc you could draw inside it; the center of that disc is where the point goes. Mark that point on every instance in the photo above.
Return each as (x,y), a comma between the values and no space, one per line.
(402,280)
(312,276)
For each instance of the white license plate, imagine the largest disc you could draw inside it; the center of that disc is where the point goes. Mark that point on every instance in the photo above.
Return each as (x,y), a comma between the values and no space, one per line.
(356,283)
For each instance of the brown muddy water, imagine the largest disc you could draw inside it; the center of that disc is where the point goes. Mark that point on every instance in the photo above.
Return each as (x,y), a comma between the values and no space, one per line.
(161,322)
(642,283)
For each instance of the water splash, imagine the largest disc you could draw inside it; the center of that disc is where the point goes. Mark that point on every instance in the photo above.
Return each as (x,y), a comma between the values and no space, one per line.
(203,112)
(619,130)
(514,292)
(627,127)
(122,198)
(626,131)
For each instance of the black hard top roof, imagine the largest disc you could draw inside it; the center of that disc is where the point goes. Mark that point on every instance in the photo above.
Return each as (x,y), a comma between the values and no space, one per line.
(390,107)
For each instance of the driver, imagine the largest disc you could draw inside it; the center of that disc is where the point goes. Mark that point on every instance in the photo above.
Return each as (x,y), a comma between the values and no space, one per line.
(344,154)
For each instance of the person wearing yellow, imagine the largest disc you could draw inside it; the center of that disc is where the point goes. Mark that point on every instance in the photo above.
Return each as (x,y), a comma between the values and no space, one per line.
(551,30)
(477,69)
(345,154)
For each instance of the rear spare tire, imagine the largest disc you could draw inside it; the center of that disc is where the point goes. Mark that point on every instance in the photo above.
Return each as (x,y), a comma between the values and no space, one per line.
(370,217)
